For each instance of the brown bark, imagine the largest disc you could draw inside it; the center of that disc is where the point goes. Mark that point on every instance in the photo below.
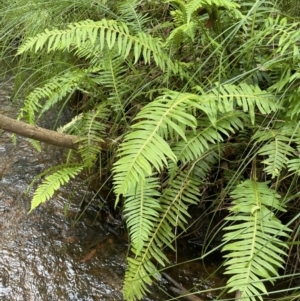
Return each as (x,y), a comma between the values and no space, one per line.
(43,135)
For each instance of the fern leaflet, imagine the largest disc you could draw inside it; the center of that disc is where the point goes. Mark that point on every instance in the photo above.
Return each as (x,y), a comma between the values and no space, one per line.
(146,147)
(174,202)
(108,33)
(52,183)
(254,248)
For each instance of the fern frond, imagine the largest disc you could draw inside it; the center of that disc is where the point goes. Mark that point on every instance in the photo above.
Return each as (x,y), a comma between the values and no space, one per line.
(128,11)
(190,7)
(207,134)
(146,148)
(278,149)
(141,211)
(173,212)
(248,97)
(52,183)
(294,165)
(193,5)
(202,165)
(253,241)
(111,75)
(89,126)
(285,35)
(93,128)
(107,33)
(183,33)
(53,91)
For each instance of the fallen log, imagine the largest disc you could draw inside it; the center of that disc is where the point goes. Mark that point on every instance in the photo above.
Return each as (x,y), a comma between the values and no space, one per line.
(43,135)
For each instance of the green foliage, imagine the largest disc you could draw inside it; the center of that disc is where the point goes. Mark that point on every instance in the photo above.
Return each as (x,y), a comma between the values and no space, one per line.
(108,33)
(52,183)
(277,148)
(174,202)
(53,92)
(89,128)
(145,150)
(253,242)
(145,147)
(179,92)
(188,24)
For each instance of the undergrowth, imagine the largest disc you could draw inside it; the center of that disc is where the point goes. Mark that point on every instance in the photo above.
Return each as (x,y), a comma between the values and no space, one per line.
(183,90)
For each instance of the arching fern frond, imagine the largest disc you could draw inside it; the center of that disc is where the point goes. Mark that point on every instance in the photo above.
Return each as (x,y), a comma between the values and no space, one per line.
(51,92)
(207,134)
(278,149)
(187,22)
(202,165)
(141,211)
(180,192)
(52,183)
(91,127)
(106,33)
(128,11)
(111,75)
(190,7)
(145,148)
(253,242)
(247,97)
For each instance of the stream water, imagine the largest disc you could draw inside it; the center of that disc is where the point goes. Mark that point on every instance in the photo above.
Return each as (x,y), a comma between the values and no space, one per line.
(45,255)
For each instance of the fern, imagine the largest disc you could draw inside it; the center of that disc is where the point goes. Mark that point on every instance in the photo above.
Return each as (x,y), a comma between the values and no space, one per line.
(228,97)
(208,135)
(111,75)
(146,148)
(253,242)
(129,14)
(173,212)
(91,127)
(108,33)
(187,10)
(141,211)
(54,91)
(278,149)
(246,65)
(52,183)
(144,151)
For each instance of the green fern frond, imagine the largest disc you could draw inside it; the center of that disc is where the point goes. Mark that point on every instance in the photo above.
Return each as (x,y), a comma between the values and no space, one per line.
(202,165)
(90,143)
(52,183)
(174,202)
(253,242)
(36,144)
(89,126)
(145,148)
(107,33)
(248,97)
(183,33)
(278,149)
(207,134)
(190,7)
(288,79)
(52,92)
(128,11)
(285,35)
(108,71)
(294,165)
(141,211)
(112,77)
(278,153)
